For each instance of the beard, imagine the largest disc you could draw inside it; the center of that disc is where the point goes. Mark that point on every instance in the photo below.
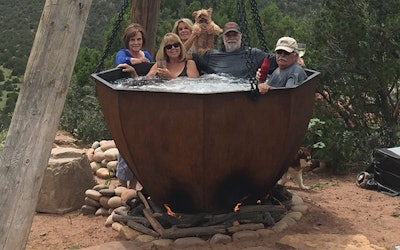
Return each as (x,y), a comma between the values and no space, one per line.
(232,45)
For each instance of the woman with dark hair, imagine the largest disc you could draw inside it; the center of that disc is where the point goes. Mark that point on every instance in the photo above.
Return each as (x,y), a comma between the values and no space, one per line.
(134,40)
(172,60)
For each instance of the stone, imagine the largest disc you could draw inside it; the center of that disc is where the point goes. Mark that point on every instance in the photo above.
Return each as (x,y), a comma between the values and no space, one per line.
(264,232)
(117,226)
(295,215)
(107,192)
(93,194)
(289,220)
(95,166)
(107,144)
(95,145)
(162,243)
(102,212)
(98,156)
(128,233)
(104,163)
(279,226)
(104,202)
(144,238)
(186,242)
(115,202)
(127,195)
(112,165)
(300,208)
(89,153)
(220,239)
(104,173)
(65,180)
(119,190)
(245,235)
(111,154)
(88,210)
(296,200)
(109,220)
(91,202)
(100,187)
(121,210)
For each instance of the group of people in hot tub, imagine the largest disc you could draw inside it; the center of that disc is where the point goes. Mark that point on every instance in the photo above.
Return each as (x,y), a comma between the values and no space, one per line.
(175,59)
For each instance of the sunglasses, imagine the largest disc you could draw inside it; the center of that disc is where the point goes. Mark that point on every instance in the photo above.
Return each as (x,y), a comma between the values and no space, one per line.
(169,46)
(281,51)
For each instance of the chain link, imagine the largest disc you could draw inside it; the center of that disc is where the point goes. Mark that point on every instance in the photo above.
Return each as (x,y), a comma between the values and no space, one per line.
(246,41)
(113,35)
(257,21)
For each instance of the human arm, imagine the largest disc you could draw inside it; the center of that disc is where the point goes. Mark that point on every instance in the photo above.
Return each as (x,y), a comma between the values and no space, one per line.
(122,57)
(191,70)
(263,88)
(128,68)
(189,42)
(147,55)
(296,77)
(145,58)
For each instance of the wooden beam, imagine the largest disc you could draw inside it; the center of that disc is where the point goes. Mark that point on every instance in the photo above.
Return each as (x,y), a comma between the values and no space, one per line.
(147,14)
(36,116)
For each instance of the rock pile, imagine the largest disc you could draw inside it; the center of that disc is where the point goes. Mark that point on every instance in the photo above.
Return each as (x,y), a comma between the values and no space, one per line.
(102,200)
(103,157)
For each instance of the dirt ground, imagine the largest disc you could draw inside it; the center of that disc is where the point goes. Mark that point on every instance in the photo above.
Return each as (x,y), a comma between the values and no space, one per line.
(336,206)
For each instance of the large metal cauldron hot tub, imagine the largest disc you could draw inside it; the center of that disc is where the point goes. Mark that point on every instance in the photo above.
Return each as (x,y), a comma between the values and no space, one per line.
(206,152)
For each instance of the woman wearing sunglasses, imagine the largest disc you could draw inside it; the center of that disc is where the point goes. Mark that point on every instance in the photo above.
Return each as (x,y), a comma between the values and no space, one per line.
(175,60)
(289,73)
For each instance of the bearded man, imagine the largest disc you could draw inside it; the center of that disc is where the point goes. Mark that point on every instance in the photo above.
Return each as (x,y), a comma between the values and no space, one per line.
(232,58)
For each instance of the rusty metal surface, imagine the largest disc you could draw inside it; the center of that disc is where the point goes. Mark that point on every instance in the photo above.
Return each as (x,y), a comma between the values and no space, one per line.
(206,152)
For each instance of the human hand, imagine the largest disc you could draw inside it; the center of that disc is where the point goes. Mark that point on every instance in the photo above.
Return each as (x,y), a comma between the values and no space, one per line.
(263,88)
(164,73)
(128,68)
(138,60)
(258,74)
(300,61)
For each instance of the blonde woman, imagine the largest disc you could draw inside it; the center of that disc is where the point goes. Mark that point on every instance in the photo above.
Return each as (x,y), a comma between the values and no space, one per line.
(175,60)
(183,28)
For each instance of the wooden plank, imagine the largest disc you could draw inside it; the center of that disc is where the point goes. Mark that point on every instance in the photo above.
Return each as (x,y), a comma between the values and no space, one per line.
(36,116)
(147,14)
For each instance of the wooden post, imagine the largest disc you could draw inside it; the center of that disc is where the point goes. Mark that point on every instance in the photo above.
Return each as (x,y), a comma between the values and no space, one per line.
(36,116)
(146,13)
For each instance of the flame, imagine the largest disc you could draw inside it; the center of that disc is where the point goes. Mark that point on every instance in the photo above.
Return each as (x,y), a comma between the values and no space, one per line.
(169,211)
(237,207)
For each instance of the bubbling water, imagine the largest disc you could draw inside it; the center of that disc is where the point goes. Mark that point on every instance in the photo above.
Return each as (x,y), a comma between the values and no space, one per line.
(209,83)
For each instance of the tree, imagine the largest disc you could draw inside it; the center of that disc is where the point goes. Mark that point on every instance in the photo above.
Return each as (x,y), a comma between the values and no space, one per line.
(356,48)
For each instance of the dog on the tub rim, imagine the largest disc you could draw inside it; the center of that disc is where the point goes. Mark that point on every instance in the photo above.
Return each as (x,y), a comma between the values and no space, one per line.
(205,29)
(301,161)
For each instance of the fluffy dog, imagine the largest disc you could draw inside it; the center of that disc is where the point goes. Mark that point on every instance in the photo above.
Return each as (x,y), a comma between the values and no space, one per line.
(205,29)
(300,162)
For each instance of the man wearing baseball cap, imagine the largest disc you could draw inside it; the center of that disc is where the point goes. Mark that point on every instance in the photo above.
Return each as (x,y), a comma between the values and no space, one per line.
(232,57)
(289,73)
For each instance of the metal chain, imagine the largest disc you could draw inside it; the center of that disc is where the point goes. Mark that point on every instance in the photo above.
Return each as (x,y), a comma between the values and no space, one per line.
(243,23)
(111,39)
(257,21)
(246,40)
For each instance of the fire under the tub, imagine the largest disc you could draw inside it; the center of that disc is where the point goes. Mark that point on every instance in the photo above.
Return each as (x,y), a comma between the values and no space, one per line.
(148,218)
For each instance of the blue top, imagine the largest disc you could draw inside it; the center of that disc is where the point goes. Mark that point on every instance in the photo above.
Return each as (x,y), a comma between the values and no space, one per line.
(289,77)
(123,56)
(233,63)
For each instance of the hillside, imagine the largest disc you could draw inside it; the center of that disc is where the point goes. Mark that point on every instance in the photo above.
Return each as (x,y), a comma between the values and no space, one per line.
(19,21)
